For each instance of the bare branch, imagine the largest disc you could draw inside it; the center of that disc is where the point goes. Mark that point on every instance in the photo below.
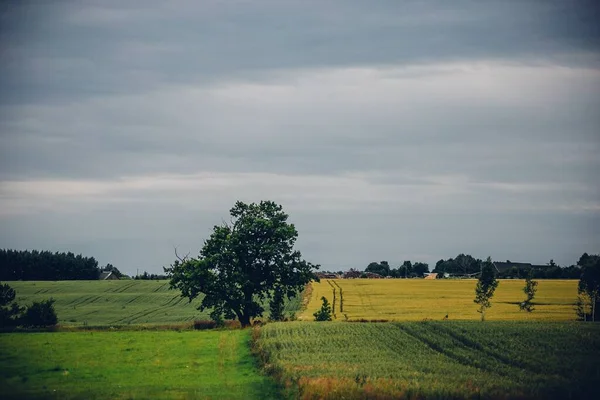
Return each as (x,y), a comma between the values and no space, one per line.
(184,259)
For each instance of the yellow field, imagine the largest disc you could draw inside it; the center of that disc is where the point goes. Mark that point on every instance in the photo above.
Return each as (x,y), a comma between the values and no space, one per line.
(418,299)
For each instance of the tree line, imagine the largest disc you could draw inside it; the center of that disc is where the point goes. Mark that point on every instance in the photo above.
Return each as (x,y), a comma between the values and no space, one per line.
(34,265)
(406,270)
(464,265)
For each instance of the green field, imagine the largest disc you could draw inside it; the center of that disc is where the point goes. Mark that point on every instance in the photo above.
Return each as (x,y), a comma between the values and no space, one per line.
(116,302)
(444,359)
(419,299)
(131,365)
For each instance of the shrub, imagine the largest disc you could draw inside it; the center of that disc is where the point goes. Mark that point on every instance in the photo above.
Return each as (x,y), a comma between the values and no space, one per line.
(204,324)
(324,314)
(40,314)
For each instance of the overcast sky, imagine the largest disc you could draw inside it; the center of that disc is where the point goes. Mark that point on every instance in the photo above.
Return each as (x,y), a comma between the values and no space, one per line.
(389,130)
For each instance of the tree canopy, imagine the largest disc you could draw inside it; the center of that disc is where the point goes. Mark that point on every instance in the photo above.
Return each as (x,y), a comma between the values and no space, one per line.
(382,268)
(244,263)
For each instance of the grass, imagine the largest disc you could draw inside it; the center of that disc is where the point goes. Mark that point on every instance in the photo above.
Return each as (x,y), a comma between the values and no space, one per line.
(126,302)
(418,299)
(435,359)
(131,365)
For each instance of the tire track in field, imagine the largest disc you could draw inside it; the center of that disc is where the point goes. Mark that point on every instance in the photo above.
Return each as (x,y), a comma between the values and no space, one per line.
(147,312)
(80,300)
(159,288)
(125,287)
(455,357)
(134,299)
(466,342)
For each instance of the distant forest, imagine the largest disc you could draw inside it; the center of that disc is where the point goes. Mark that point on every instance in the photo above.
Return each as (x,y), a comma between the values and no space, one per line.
(18,265)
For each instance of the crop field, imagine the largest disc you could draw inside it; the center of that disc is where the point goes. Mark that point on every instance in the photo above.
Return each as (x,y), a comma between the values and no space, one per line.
(131,365)
(434,359)
(419,299)
(116,302)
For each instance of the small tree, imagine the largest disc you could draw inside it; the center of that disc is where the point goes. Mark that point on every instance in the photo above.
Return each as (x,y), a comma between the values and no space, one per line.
(9,310)
(276,305)
(324,314)
(486,286)
(589,286)
(529,290)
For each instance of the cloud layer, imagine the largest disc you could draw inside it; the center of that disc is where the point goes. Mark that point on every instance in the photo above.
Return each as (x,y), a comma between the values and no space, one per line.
(402,130)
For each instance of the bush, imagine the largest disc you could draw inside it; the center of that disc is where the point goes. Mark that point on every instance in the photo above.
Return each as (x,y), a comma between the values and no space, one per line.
(40,314)
(204,324)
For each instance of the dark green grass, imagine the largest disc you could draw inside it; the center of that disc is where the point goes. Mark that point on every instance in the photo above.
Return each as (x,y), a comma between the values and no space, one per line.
(126,302)
(131,365)
(436,359)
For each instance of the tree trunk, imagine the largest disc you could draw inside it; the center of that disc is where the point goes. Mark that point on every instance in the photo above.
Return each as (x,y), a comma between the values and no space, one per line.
(244,320)
(594,308)
(483,314)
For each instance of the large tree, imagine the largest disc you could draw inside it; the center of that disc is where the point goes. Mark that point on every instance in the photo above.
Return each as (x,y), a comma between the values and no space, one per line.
(244,263)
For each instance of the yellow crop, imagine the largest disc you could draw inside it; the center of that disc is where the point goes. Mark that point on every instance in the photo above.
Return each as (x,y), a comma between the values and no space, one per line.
(418,299)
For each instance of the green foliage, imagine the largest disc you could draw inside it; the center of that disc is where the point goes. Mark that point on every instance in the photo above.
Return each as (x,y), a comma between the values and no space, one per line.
(276,305)
(530,289)
(9,310)
(419,269)
(382,268)
(40,314)
(324,314)
(461,265)
(7,295)
(486,286)
(241,263)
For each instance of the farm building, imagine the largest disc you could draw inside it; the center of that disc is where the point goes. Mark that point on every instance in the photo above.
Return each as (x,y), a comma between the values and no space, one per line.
(108,276)
(504,266)
(326,275)
(352,274)
(435,275)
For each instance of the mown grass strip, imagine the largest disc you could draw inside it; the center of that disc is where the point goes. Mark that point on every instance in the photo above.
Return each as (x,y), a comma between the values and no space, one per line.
(140,365)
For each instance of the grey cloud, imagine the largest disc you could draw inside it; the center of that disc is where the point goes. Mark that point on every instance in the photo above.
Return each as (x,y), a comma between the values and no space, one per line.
(77,50)
(389,130)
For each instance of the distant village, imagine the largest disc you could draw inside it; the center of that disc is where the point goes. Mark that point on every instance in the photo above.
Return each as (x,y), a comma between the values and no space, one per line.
(504,269)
